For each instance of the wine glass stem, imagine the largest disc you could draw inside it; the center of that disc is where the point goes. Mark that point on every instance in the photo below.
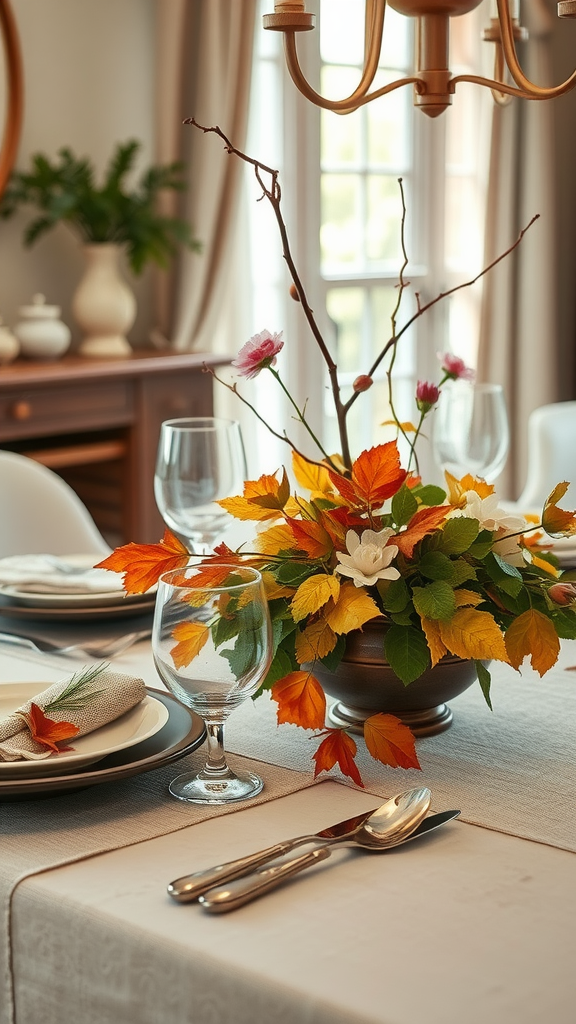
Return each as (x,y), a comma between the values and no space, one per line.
(216,762)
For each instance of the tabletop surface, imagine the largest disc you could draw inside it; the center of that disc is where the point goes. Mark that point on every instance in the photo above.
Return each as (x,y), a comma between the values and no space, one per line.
(470,924)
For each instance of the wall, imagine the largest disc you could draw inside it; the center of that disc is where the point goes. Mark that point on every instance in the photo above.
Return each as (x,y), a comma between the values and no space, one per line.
(89,83)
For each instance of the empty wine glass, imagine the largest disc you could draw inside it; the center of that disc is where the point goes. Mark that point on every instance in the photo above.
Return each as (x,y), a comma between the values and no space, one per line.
(212,646)
(200,460)
(470,430)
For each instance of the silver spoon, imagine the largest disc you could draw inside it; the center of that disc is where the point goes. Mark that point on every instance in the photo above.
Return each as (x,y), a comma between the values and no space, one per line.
(190,887)
(244,890)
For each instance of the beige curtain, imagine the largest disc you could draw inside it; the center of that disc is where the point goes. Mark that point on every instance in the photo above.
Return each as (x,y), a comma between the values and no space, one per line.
(204,61)
(518,337)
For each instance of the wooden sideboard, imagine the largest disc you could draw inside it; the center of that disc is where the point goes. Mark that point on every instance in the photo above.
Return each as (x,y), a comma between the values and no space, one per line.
(96,422)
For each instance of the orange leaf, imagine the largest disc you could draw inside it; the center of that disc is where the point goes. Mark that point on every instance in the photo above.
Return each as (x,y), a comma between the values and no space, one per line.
(311,537)
(377,473)
(457,488)
(425,521)
(241,508)
(390,741)
(473,634)
(464,597)
(300,699)
(191,637)
(338,748)
(435,643)
(533,634)
(316,641)
(268,492)
(143,564)
(47,732)
(352,608)
(556,521)
(276,539)
(310,475)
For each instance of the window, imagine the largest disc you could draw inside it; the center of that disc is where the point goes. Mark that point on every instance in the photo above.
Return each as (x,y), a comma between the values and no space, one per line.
(342,205)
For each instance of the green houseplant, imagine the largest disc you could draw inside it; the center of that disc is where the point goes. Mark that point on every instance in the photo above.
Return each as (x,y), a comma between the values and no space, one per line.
(108,218)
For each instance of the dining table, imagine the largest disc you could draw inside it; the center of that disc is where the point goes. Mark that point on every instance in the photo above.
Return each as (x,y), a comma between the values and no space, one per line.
(475,922)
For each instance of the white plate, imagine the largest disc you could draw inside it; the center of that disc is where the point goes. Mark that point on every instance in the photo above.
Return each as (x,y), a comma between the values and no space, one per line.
(115,597)
(143,721)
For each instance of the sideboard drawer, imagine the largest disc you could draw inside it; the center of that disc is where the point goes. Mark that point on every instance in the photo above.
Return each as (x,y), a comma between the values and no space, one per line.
(31,411)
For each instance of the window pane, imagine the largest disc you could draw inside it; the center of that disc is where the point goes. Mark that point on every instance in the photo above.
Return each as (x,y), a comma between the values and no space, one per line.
(341,231)
(338,46)
(345,308)
(341,136)
(384,213)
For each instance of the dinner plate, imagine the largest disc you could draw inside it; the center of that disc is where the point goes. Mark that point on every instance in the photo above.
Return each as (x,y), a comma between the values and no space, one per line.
(123,607)
(181,735)
(135,726)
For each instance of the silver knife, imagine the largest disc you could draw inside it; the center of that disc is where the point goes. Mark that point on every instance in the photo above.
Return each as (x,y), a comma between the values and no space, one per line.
(190,887)
(250,887)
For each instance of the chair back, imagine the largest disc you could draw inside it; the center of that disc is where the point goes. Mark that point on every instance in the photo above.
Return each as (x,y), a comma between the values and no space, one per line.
(551,455)
(40,513)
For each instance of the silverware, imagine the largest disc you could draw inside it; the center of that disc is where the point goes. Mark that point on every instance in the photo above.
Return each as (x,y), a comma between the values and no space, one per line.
(96,649)
(191,887)
(250,887)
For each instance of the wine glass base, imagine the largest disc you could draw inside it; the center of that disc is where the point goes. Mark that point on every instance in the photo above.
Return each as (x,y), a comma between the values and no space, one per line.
(197,789)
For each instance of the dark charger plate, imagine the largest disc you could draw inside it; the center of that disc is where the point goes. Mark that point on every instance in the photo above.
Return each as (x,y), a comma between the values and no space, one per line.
(184,732)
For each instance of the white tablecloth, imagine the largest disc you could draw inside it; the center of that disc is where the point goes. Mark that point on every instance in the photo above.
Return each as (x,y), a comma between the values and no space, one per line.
(466,926)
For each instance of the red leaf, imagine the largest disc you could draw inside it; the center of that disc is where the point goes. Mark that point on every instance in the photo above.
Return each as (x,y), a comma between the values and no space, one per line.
(376,476)
(311,537)
(338,748)
(47,732)
(143,564)
(301,700)
(390,741)
(425,521)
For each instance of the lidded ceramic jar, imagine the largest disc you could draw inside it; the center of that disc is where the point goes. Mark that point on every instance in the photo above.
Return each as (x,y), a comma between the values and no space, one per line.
(9,344)
(41,333)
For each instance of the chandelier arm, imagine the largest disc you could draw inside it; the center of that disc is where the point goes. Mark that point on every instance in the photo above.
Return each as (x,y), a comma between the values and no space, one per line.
(373,42)
(528,89)
(490,83)
(501,99)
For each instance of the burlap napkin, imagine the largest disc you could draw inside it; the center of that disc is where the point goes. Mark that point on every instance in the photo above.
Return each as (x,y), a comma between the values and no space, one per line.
(91,698)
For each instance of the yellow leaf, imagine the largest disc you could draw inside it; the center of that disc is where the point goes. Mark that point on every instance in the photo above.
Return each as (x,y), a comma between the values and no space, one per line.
(276,539)
(352,608)
(241,508)
(540,563)
(406,426)
(473,634)
(467,597)
(457,488)
(533,634)
(316,641)
(436,646)
(313,594)
(191,637)
(310,475)
(273,588)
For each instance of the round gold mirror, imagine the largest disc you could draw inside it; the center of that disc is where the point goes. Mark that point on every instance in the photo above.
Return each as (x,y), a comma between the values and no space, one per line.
(14,93)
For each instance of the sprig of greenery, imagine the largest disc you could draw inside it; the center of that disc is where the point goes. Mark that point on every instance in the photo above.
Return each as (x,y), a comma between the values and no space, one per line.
(65,190)
(77,694)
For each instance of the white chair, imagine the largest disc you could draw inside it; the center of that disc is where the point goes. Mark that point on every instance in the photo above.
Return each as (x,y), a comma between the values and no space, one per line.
(40,513)
(551,455)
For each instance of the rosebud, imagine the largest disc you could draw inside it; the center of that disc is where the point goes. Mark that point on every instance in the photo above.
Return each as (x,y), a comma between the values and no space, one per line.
(362,383)
(294,293)
(562,593)
(426,395)
(455,368)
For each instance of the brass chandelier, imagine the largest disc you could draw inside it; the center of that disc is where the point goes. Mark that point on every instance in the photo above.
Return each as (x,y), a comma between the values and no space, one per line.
(434,85)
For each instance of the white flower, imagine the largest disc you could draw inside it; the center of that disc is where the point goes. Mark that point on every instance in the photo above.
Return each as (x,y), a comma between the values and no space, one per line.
(369,557)
(489,514)
(507,547)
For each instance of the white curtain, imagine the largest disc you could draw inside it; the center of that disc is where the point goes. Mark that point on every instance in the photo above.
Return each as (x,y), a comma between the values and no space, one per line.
(518,336)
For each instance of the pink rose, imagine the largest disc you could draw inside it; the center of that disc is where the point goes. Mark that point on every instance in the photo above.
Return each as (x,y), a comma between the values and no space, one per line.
(426,395)
(455,367)
(258,354)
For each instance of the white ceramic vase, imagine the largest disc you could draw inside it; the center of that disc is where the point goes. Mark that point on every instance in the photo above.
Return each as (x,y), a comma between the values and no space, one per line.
(103,304)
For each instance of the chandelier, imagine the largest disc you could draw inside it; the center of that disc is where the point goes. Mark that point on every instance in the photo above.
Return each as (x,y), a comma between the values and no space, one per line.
(434,85)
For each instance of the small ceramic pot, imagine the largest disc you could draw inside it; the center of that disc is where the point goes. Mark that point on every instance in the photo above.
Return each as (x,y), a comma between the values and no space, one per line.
(41,333)
(364,684)
(9,344)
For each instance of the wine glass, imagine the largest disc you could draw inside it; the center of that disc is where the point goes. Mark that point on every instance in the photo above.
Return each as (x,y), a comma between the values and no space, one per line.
(470,430)
(199,461)
(212,647)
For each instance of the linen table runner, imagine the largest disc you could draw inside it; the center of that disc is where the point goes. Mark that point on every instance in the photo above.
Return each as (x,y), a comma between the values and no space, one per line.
(36,835)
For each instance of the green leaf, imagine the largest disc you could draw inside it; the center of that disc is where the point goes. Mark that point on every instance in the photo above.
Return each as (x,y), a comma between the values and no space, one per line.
(407,652)
(404,618)
(280,667)
(332,660)
(458,534)
(482,545)
(292,574)
(395,594)
(429,494)
(462,571)
(484,679)
(435,601)
(404,505)
(436,566)
(511,582)
(564,623)
(510,570)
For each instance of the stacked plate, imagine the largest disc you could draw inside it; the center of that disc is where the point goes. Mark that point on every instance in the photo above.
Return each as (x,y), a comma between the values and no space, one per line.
(156,732)
(65,587)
